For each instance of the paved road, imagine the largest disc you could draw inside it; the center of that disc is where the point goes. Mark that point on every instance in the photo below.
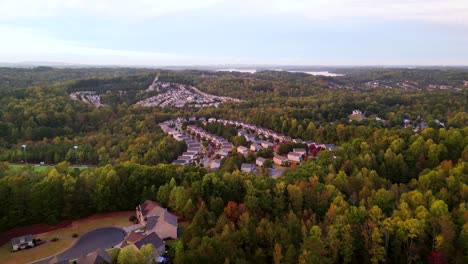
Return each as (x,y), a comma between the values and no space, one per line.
(104,238)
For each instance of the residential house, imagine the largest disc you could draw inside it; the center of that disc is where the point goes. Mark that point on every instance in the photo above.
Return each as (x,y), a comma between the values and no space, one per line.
(357,115)
(302,151)
(188,159)
(267,144)
(181,162)
(224,152)
(275,173)
(250,137)
(296,157)
(242,150)
(247,167)
(178,137)
(255,147)
(99,256)
(280,160)
(331,147)
(22,242)
(194,149)
(205,163)
(241,132)
(157,219)
(192,154)
(153,239)
(260,161)
(215,164)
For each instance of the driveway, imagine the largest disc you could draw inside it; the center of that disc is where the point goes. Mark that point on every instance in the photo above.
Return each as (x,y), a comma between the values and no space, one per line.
(129,229)
(104,238)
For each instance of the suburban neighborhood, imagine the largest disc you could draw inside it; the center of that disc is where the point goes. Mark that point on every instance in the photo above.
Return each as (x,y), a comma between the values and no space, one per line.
(169,95)
(181,95)
(207,150)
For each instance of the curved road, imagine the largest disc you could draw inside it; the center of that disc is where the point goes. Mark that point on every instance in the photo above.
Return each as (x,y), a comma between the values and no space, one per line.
(104,238)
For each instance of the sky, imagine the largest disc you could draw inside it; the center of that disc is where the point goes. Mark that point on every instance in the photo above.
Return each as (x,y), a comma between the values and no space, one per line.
(214,32)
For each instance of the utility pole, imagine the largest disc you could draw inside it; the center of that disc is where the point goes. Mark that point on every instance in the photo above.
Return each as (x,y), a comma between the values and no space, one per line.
(24,151)
(76,154)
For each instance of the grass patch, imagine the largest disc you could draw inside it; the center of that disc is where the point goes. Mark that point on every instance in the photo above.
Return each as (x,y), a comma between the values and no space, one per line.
(38,168)
(65,236)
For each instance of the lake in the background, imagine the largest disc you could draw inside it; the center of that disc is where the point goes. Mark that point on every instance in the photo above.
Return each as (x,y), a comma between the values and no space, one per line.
(322,73)
(239,70)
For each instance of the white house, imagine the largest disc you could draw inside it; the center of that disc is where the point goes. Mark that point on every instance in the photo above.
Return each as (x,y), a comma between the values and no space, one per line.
(242,150)
(300,150)
(267,144)
(260,161)
(280,160)
(255,147)
(294,156)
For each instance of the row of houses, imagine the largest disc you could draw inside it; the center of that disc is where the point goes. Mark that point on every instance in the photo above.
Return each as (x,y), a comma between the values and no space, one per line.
(180,95)
(268,134)
(196,153)
(219,146)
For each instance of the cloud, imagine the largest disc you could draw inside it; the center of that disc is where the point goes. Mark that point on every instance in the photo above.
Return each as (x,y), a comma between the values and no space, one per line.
(438,11)
(27,44)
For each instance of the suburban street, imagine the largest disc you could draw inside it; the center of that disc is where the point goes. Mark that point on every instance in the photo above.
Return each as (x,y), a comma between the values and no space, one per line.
(104,238)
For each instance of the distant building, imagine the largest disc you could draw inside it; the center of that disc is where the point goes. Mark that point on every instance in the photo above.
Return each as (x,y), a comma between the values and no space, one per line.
(357,115)
(302,151)
(255,147)
(242,150)
(275,173)
(267,144)
(280,160)
(260,161)
(296,157)
(99,256)
(247,167)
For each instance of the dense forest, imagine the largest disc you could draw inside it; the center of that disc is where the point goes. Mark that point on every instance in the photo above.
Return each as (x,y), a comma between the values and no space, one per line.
(395,191)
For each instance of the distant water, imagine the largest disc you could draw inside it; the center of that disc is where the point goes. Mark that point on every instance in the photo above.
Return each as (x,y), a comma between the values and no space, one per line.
(239,70)
(322,73)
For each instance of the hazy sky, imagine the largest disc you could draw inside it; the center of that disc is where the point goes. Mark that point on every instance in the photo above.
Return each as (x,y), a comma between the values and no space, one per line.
(189,32)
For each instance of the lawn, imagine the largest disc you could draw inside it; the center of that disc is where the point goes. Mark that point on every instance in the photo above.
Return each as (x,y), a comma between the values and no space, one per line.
(79,227)
(42,168)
